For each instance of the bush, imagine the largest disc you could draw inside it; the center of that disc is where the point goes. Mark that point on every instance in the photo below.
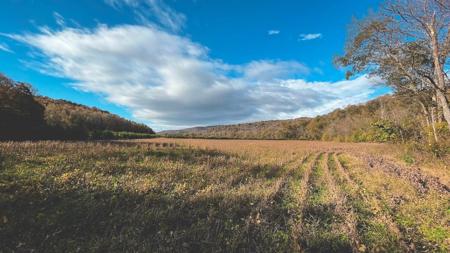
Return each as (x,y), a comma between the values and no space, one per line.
(383,131)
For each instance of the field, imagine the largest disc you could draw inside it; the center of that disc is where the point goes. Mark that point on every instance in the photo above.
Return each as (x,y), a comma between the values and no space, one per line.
(181,195)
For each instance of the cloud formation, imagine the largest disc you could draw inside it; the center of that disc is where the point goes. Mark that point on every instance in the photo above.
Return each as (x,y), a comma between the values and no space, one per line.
(4,47)
(171,82)
(273,32)
(310,36)
(148,11)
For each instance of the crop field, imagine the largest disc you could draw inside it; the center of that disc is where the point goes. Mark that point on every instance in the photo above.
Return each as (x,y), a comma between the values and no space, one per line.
(183,195)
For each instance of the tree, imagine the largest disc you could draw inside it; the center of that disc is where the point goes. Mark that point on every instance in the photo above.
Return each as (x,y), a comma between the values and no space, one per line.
(407,43)
(21,117)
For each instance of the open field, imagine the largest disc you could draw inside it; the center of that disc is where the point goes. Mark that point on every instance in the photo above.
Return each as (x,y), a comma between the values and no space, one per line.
(166,195)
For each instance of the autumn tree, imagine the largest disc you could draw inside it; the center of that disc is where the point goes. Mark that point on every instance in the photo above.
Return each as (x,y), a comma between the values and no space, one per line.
(24,115)
(21,116)
(407,44)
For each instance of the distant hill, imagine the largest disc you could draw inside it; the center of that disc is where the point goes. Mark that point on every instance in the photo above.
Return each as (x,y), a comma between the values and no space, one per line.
(69,115)
(270,129)
(387,118)
(27,116)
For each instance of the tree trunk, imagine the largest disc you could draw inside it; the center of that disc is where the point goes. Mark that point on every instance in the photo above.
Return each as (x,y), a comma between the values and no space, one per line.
(433,124)
(439,116)
(426,113)
(443,102)
(439,72)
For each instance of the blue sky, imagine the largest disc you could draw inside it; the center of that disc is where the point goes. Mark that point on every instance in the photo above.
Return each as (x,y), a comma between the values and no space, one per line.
(175,64)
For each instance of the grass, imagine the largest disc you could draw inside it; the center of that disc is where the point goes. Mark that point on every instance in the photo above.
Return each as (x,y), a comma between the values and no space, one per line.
(186,195)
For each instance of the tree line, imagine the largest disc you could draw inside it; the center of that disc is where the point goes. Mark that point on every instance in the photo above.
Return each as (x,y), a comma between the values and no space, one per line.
(390,118)
(25,116)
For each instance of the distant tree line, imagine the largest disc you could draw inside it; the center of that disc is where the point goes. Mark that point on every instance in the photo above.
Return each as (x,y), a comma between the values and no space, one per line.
(25,116)
(390,118)
(371,122)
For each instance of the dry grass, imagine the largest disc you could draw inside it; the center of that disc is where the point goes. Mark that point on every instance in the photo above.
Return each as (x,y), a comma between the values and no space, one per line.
(166,195)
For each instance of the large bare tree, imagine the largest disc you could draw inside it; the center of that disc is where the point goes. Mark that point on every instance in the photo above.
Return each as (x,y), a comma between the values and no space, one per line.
(407,43)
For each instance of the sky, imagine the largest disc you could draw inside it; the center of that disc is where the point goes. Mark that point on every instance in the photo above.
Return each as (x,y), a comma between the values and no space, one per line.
(181,63)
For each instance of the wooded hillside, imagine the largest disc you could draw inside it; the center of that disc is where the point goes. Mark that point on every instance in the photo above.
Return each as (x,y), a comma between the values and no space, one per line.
(27,116)
(385,119)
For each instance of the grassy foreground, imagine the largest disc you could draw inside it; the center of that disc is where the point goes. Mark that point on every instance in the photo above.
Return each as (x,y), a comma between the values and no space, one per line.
(218,196)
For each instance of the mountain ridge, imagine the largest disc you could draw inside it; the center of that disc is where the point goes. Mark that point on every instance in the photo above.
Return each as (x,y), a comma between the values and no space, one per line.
(386,118)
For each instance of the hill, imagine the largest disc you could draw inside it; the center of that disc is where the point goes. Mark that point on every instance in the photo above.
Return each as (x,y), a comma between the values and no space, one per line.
(74,117)
(28,116)
(270,129)
(387,118)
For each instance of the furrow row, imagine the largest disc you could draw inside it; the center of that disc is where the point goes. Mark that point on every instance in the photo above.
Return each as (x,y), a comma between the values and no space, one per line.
(377,227)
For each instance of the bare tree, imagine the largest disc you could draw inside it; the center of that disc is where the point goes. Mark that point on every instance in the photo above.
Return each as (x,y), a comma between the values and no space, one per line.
(407,43)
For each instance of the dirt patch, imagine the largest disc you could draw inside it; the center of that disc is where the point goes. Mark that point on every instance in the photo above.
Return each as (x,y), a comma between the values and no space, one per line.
(423,183)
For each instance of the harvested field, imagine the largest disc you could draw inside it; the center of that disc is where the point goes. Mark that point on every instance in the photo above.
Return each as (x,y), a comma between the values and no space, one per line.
(183,195)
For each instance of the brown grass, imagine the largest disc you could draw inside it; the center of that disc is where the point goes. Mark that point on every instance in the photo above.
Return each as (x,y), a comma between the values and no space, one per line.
(166,195)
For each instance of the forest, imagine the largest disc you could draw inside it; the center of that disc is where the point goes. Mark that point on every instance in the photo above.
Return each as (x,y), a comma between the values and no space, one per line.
(389,119)
(27,116)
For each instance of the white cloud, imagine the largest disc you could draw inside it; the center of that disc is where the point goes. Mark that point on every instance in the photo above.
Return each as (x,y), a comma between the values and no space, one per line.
(266,70)
(152,10)
(310,36)
(171,81)
(59,19)
(273,32)
(4,47)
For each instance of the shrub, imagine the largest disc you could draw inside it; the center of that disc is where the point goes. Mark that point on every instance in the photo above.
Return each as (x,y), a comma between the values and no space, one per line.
(383,131)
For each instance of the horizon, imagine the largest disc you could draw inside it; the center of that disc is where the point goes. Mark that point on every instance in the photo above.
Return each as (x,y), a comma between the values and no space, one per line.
(179,64)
